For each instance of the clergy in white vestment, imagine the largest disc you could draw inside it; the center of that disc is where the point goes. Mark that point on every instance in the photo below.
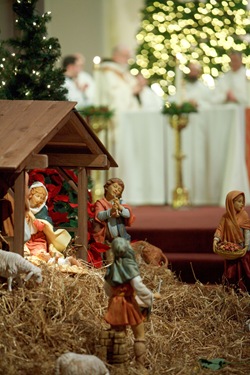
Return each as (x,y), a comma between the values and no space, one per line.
(117,86)
(148,99)
(85,81)
(232,87)
(72,67)
(194,89)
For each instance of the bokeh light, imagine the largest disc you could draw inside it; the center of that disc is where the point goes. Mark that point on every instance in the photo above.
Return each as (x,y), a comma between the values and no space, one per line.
(195,30)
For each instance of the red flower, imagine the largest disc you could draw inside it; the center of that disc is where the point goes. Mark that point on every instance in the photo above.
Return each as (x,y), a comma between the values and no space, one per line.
(91,210)
(61,198)
(72,175)
(36,177)
(59,218)
(73,205)
(53,190)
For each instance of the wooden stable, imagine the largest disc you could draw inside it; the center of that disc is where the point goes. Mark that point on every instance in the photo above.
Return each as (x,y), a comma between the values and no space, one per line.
(47,134)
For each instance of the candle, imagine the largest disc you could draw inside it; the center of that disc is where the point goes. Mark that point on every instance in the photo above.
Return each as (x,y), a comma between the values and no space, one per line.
(178,79)
(248,87)
(97,79)
(178,83)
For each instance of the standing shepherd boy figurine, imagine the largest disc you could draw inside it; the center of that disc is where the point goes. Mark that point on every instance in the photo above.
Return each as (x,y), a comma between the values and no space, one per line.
(127,293)
(112,215)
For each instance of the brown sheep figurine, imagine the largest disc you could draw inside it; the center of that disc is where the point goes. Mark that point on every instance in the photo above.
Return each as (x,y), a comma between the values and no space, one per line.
(150,254)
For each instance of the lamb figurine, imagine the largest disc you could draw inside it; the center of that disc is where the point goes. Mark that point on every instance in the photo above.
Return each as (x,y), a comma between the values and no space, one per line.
(12,265)
(85,364)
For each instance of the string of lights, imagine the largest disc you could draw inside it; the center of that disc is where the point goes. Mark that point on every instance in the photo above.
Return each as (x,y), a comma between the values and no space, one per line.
(203,31)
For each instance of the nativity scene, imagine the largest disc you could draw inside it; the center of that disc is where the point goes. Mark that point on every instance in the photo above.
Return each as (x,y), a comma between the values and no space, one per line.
(95,283)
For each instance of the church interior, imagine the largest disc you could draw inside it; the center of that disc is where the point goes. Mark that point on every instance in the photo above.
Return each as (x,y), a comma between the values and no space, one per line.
(125,187)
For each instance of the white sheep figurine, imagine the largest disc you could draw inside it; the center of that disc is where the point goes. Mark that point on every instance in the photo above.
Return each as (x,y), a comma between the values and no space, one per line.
(12,265)
(76,364)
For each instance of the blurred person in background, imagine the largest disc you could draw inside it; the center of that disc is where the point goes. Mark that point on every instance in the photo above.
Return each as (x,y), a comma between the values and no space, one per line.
(72,68)
(194,89)
(118,87)
(85,81)
(232,86)
(147,97)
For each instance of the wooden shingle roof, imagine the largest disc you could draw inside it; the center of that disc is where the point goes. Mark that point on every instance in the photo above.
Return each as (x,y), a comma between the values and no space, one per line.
(31,129)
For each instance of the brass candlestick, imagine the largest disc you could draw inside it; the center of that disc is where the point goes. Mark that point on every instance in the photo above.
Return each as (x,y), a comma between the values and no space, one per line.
(180,193)
(99,124)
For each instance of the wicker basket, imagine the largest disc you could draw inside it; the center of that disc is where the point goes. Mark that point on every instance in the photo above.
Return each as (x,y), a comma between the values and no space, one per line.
(230,250)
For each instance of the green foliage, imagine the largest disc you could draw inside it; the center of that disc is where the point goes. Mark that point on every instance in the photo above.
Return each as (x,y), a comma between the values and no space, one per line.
(178,109)
(204,31)
(98,111)
(28,62)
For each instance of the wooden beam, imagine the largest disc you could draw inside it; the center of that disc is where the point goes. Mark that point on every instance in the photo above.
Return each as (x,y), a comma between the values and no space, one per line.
(37,161)
(78,160)
(82,231)
(64,174)
(19,213)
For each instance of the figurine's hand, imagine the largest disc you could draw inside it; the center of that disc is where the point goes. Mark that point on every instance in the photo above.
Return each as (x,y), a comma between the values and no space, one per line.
(117,204)
(114,211)
(214,246)
(245,248)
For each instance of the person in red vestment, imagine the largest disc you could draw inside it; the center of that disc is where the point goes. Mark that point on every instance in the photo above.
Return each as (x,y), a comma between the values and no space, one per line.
(234,227)
(112,215)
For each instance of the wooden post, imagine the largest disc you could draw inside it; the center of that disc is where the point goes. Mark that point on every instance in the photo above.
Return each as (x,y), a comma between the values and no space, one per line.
(82,230)
(19,213)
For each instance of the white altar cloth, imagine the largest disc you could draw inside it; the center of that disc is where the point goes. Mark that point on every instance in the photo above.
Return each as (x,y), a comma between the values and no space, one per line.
(214,146)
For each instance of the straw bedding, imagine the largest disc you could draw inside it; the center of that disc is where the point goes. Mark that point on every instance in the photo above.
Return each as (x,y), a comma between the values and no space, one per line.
(65,313)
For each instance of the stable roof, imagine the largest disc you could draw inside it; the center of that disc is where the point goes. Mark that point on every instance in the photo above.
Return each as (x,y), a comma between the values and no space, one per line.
(42,134)
(33,131)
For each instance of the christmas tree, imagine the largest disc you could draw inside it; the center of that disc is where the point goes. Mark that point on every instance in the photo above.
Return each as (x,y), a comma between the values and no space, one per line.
(182,31)
(28,63)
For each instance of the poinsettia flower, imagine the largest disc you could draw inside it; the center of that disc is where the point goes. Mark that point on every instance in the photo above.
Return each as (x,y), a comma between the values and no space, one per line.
(73,205)
(91,209)
(72,175)
(59,217)
(36,177)
(61,198)
(53,190)
(56,178)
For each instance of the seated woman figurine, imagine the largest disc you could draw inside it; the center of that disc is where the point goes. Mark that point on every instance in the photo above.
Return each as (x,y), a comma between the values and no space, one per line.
(38,196)
(44,240)
(234,227)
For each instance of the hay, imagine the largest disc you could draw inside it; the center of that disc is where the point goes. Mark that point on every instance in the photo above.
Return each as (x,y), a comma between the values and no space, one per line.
(65,313)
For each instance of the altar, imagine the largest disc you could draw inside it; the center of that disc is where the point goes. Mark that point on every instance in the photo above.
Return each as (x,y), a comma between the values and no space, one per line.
(215,156)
